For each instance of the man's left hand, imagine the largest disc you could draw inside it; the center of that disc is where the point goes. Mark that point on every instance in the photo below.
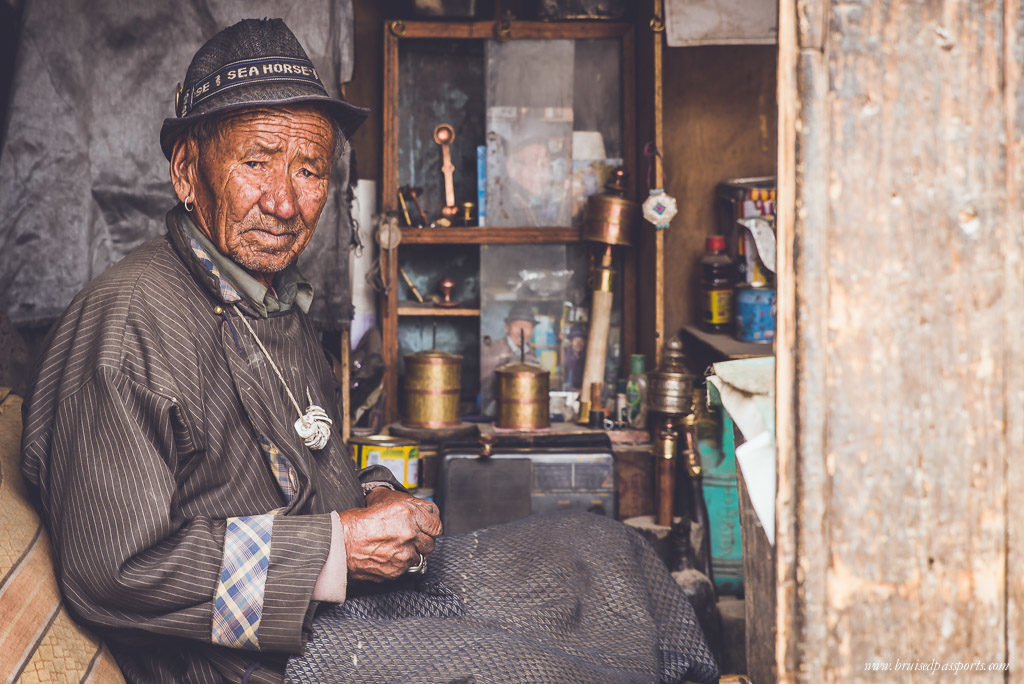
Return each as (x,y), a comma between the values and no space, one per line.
(389,536)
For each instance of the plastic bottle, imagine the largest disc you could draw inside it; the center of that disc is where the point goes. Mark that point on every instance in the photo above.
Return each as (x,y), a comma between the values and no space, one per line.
(621,405)
(717,277)
(636,391)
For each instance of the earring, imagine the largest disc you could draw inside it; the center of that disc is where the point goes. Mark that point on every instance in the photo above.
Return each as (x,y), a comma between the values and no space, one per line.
(189,208)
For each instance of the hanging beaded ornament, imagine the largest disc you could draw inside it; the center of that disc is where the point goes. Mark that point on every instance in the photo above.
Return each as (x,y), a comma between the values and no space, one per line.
(659,208)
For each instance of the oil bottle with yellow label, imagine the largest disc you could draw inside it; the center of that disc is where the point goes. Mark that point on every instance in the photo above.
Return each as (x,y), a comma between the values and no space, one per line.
(717,278)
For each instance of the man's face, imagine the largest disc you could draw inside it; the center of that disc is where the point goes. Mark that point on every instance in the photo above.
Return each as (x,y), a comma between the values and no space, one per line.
(520,330)
(261,183)
(530,166)
(577,343)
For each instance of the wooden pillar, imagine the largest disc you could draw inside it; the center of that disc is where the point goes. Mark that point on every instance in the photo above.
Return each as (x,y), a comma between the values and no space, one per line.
(649,244)
(900,378)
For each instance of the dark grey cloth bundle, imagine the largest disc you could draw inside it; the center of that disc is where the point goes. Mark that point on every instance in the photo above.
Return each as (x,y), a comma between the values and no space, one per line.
(568,597)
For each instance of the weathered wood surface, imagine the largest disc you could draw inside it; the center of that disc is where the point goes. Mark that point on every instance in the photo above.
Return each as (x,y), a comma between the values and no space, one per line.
(900,423)
(1013,368)
(759,581)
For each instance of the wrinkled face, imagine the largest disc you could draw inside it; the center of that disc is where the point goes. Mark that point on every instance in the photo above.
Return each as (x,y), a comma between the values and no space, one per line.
(259,184)
(530,166)
(520,330)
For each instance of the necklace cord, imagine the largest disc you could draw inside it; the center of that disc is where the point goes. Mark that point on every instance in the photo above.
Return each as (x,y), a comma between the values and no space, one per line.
(273,365)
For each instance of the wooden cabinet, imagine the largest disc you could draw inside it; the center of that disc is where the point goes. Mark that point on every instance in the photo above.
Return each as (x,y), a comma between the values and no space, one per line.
(469,75)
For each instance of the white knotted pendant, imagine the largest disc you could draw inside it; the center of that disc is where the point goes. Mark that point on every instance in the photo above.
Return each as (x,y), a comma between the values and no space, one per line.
(314,427)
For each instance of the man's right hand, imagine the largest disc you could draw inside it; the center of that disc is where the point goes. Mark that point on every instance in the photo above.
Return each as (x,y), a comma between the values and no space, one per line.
(385,539)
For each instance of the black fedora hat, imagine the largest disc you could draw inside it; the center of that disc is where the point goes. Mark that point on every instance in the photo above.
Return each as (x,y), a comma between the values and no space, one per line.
(521,311)
(256,62)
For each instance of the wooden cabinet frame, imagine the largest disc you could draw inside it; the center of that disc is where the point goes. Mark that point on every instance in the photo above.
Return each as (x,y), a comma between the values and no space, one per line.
(396,31)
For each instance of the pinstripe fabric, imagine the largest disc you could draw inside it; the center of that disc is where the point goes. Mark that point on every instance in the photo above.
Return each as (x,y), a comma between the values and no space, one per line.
(142,438)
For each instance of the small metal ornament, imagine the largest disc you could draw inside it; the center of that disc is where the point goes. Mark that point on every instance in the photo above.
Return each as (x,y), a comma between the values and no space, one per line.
(670,385)
(659,208)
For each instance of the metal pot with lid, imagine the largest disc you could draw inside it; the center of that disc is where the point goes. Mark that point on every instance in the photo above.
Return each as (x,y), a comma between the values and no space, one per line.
(433,382)
(523,397)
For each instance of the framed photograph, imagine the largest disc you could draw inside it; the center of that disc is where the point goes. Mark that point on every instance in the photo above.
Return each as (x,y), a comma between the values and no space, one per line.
(529,161)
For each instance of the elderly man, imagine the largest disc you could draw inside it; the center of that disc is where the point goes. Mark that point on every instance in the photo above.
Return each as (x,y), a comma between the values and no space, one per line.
(207,520)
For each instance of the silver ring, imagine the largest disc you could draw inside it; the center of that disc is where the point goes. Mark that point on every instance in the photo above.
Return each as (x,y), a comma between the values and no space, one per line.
(420,567)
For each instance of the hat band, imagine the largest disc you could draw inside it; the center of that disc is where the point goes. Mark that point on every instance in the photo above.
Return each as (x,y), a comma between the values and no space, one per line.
(249,72)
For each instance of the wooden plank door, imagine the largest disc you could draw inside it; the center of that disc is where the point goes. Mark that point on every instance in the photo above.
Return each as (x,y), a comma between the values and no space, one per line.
(900,512)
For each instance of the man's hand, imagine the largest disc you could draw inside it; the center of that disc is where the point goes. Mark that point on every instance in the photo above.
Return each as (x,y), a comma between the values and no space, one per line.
(386,538)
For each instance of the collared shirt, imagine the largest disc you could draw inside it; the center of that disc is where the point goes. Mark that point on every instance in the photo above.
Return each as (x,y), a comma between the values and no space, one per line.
(290,287)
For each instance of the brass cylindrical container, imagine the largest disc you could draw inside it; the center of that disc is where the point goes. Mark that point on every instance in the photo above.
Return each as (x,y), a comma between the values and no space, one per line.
(433,381)
(523,397)
(609,219)
(670,386)
(669,393)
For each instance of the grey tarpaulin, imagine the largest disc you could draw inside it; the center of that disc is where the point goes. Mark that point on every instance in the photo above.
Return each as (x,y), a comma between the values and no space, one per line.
(566,597)
(82,178)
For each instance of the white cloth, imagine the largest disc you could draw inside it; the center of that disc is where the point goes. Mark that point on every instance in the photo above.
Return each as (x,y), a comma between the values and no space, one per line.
(747,390)
(721,22)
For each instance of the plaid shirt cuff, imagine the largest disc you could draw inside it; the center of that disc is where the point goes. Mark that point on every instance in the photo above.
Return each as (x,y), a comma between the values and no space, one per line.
(238,602)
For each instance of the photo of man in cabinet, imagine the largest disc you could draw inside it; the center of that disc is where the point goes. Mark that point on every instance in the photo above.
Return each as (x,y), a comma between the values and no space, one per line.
(529,166)
(514,345)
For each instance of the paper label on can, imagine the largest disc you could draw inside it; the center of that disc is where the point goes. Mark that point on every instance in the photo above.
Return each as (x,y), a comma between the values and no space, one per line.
(395,465)
(755,314)
(718,307)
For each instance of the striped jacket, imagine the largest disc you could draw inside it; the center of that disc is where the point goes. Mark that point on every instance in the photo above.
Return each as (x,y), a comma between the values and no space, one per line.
(148,436)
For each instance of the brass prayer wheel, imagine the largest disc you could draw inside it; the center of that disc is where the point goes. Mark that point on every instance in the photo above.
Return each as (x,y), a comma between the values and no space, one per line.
(523,397)
(670,386)
(433,382)
(609,217)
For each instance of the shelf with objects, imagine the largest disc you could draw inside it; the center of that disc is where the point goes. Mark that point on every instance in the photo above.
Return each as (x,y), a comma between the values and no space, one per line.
(494,136)
(736,310)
